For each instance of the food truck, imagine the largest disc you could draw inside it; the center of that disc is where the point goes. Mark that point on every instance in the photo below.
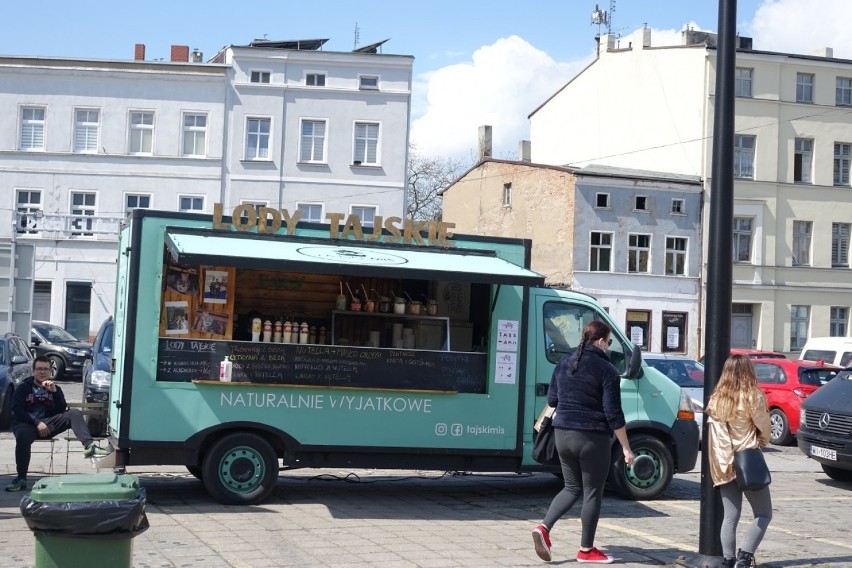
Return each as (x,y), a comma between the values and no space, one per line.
(248,343)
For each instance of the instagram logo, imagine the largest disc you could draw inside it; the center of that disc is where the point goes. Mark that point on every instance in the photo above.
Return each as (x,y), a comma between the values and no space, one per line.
(441,429)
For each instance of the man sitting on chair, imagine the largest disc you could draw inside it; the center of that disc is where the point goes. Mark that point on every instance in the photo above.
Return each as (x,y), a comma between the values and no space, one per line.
(40,411)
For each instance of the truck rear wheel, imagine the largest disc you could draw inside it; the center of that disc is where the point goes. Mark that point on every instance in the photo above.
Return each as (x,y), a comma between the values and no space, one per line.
(650,474)
(240,469)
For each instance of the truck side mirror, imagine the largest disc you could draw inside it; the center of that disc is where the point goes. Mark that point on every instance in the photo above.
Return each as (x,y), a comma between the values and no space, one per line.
(634,367)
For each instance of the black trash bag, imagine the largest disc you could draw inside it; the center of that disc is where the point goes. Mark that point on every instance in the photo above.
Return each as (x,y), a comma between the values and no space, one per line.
(108,519)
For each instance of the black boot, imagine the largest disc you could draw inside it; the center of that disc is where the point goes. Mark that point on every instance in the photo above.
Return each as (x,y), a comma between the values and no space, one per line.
(728,562)
(744,559)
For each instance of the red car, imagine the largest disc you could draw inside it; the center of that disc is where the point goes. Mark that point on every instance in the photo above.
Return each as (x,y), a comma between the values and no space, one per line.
(753,354)
(786,383)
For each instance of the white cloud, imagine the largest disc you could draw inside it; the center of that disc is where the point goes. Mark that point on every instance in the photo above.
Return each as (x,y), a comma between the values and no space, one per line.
(797,26)
(499,86)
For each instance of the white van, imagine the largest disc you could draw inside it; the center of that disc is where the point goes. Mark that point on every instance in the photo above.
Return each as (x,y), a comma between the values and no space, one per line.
(833,350)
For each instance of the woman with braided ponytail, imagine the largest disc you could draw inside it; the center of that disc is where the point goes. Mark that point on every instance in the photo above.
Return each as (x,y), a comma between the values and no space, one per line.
(586,391)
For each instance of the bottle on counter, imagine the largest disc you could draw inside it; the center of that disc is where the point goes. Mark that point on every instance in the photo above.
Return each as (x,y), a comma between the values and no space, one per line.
(256,325)
(312,334)
(303,333)
(225,369)
(267,331)
(288,329)
(277,329)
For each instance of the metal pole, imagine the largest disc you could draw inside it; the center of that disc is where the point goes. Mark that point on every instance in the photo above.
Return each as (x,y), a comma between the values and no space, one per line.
(719,264)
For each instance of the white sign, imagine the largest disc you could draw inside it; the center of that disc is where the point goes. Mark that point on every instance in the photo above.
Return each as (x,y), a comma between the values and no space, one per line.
(672,337)
(506,366)
(637,335)
(507,335)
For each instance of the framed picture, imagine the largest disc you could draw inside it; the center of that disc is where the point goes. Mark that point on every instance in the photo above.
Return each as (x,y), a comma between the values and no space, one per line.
(214,323)
(182,279)
(215,287)
(177,318)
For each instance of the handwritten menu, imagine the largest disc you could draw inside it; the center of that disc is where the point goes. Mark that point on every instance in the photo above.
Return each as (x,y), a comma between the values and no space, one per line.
(182,360)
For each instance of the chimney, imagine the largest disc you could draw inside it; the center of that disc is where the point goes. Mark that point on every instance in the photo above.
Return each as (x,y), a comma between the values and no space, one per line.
(139,52)
(484,142)
(826,52)
(606,42)
(525,151)
(646,37)
(180,53)
(197,56)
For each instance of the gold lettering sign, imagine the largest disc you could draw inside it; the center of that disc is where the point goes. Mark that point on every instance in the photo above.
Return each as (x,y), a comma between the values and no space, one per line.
(266,220)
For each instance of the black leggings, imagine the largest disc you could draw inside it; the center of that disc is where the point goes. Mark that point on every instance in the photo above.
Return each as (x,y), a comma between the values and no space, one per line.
(585,459)
(26,434)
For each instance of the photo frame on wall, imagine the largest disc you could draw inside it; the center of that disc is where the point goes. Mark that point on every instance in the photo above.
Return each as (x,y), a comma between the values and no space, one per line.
(216,287)
(214,323)
(177,318)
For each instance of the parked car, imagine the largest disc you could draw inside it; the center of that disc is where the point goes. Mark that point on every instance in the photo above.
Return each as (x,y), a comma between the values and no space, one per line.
(786,384)
(686,372)
(97,373)
(16,364)
(753,354)
(825,434)
(832,350)
(65,352)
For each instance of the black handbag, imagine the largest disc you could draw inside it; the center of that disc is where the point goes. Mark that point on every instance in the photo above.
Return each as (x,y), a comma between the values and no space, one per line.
(750,468)
(544,445)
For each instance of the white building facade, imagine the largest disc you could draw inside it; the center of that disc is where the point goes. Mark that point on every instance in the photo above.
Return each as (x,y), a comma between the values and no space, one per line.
(652,107)
(283,125)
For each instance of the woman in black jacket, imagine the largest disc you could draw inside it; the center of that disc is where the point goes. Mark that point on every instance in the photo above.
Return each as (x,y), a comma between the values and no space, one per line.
(586,392)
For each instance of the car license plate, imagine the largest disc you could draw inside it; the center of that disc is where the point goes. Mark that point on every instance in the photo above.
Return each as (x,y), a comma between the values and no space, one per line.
(824,453)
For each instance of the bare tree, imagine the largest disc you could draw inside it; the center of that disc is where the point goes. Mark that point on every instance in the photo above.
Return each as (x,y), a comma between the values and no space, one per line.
(428,176)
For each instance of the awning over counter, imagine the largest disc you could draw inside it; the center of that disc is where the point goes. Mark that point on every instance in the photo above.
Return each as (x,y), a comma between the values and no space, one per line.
(296,254)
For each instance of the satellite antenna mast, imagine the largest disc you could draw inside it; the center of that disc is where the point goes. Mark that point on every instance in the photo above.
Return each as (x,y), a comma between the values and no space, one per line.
(603,18)
(357,36)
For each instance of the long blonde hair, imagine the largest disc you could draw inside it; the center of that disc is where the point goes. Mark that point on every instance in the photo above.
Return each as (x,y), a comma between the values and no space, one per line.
(737,381)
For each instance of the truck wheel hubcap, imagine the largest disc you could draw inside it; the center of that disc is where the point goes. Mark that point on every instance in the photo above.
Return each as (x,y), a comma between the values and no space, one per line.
(645,471)
(241,469)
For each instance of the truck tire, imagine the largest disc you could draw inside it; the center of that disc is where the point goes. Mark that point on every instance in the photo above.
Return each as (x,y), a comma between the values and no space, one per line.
(240,469)
(195,471)
(779,428)
(836,473)
(651,473)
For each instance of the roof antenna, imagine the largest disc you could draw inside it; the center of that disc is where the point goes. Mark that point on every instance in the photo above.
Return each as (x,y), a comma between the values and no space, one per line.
(357,36)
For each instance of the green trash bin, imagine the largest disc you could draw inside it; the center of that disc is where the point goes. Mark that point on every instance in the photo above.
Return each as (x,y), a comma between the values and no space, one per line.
(85,520)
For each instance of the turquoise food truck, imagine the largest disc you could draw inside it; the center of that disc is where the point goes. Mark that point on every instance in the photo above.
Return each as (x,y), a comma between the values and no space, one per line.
(251,343)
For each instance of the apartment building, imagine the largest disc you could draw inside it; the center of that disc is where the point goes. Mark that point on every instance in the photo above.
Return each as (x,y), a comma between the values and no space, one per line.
(644,106)
(278,124)
(631,238)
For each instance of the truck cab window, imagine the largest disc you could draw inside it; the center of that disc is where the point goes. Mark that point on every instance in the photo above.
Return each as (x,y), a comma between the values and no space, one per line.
(563,331)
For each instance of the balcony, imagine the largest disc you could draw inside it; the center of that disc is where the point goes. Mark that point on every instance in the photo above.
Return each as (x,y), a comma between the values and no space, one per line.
(60,226)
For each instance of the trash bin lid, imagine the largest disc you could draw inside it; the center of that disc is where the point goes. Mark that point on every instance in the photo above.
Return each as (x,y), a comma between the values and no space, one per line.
(82,487)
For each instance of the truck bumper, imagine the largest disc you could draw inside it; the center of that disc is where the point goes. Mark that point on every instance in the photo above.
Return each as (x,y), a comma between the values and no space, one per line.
(685,438)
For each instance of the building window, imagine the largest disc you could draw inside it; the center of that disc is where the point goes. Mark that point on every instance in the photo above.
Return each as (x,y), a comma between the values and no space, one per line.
(312,141)
(674,332)
(742,82)
(260,76)
(32,128)
(194,134)
(86,126)
(678,207)
(639,328)
(640,203)
(638,251)
(315,79)
(257,138)
(366,213)
(744,157)
(840,245)
(369,82)
(602,200)
(311,212)
(843,91)
(804,88)
(507,195)
(802,231)
(839,321)
(83,213)
(842,155)
(803,159)
(136,201)
(28,202)
(366,144)
(190,204)
(675,256)
(799,316)
(742,239)
(600,253)
(141,132)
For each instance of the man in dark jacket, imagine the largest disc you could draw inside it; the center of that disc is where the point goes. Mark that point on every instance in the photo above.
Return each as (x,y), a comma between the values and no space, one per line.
(40,411)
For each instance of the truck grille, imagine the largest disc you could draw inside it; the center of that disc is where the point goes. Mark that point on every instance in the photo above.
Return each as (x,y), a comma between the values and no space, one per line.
(838,424)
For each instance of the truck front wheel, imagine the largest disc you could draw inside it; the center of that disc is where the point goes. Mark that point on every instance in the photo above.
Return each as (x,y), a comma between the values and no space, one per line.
(650,474)
(240,469)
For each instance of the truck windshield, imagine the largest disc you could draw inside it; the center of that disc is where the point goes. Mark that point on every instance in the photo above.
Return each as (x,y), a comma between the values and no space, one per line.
(563,330)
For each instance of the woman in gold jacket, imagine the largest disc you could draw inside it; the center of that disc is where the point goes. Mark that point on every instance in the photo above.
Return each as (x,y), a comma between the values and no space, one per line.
(737,418)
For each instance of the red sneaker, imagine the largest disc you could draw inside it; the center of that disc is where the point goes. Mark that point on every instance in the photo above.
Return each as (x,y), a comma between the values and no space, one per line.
(541,538)
(594,556)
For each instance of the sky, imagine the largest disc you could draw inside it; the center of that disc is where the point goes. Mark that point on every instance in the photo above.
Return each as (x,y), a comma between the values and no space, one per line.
(476,62)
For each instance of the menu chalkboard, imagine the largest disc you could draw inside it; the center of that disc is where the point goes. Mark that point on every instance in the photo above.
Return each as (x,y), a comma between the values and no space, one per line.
(182,360)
